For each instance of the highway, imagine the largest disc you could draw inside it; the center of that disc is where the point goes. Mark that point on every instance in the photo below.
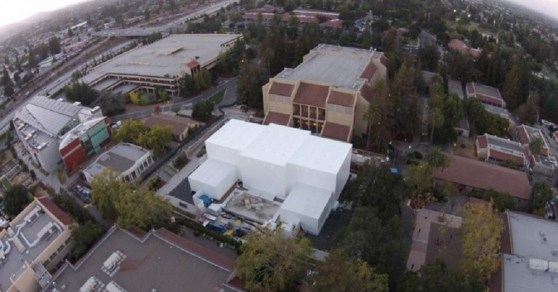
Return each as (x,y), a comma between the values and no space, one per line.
(51,87)
(143,31)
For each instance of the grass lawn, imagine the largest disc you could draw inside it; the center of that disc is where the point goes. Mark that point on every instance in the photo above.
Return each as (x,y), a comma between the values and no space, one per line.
(217,97)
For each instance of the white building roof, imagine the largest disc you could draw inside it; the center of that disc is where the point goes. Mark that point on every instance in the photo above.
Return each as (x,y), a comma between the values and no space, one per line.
(533,237)
(276,144)
(533,264)
(307,200)
(47,115)
(321,154)
(167,57)
(326,61)
(212,172)
(236,134)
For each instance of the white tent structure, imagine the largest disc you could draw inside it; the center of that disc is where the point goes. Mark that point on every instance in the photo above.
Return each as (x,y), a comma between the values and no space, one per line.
(282,164)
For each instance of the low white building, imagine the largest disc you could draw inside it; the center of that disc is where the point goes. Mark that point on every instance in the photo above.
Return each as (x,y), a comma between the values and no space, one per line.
(128,160)
(302,173)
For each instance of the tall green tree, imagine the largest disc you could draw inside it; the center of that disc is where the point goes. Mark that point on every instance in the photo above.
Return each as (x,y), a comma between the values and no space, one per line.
(541,194)
(436,120)
(516,84)
(536,145)
(106,189)
(16,198)
(429,58)
(340,273)
(480,242)
(436,158)
(380,243)
(436,277)
(129,131)
(140,209)
(79,91)
(155,139)
(134,208)
(54,45)
(269,261)
(407,112)
(376,186)
(419,179)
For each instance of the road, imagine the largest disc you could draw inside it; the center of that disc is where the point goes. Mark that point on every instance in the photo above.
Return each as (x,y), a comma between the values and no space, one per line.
(230,94)
(39,86)
(143,31)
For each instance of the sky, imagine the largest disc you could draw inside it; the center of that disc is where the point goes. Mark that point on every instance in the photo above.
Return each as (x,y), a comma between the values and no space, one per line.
(547,7)
(12,11)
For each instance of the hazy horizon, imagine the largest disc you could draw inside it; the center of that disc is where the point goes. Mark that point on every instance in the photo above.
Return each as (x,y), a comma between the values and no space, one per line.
(546,7)
(19,10)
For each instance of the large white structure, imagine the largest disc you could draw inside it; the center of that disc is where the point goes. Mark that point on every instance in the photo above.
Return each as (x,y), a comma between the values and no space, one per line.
(303,173)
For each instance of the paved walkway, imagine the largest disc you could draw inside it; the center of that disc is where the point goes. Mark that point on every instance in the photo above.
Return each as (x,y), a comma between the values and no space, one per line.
(421,234)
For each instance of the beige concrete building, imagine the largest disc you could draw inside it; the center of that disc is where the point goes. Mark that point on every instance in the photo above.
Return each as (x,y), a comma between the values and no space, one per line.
(34,245)
(162,63)
(328,93)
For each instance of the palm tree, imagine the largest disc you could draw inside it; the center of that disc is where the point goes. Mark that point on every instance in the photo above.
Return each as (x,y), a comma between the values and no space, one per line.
(436,120)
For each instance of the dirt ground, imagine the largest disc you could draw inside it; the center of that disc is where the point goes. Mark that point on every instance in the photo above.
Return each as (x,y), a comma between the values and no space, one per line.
(464,147)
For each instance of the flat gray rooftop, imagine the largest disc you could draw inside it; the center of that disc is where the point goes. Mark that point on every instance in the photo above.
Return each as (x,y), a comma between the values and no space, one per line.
(504,143)
(47,115)
(166,57)
(152,264)
(455,87)
(325,63)
(518,277)
(533,237)
(119,158)
(28,242)
(487,90)
(502,112)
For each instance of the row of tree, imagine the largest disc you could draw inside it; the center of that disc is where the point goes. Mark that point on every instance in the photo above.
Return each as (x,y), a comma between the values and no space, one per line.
(132,207)
(134,131)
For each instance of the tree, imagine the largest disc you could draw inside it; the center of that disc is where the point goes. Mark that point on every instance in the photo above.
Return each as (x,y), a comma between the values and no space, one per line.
(106,189)
(480,242)
(202,80)
(54,45)
(8,90)
(79,91)
(156,138)
(340,273)
(536,145)
(202,110)
(429,58)
(141,209)
(5,80)
(271,262)
(83,237)
(187,86)
(436,277)
(516,84)
(436,158)
(436,120)
(379,117)
(70,32)
(129,131)
(251,78)
(134,208)
(541,194)
(15,199)
(419,179)
(380,243)
(376,186)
